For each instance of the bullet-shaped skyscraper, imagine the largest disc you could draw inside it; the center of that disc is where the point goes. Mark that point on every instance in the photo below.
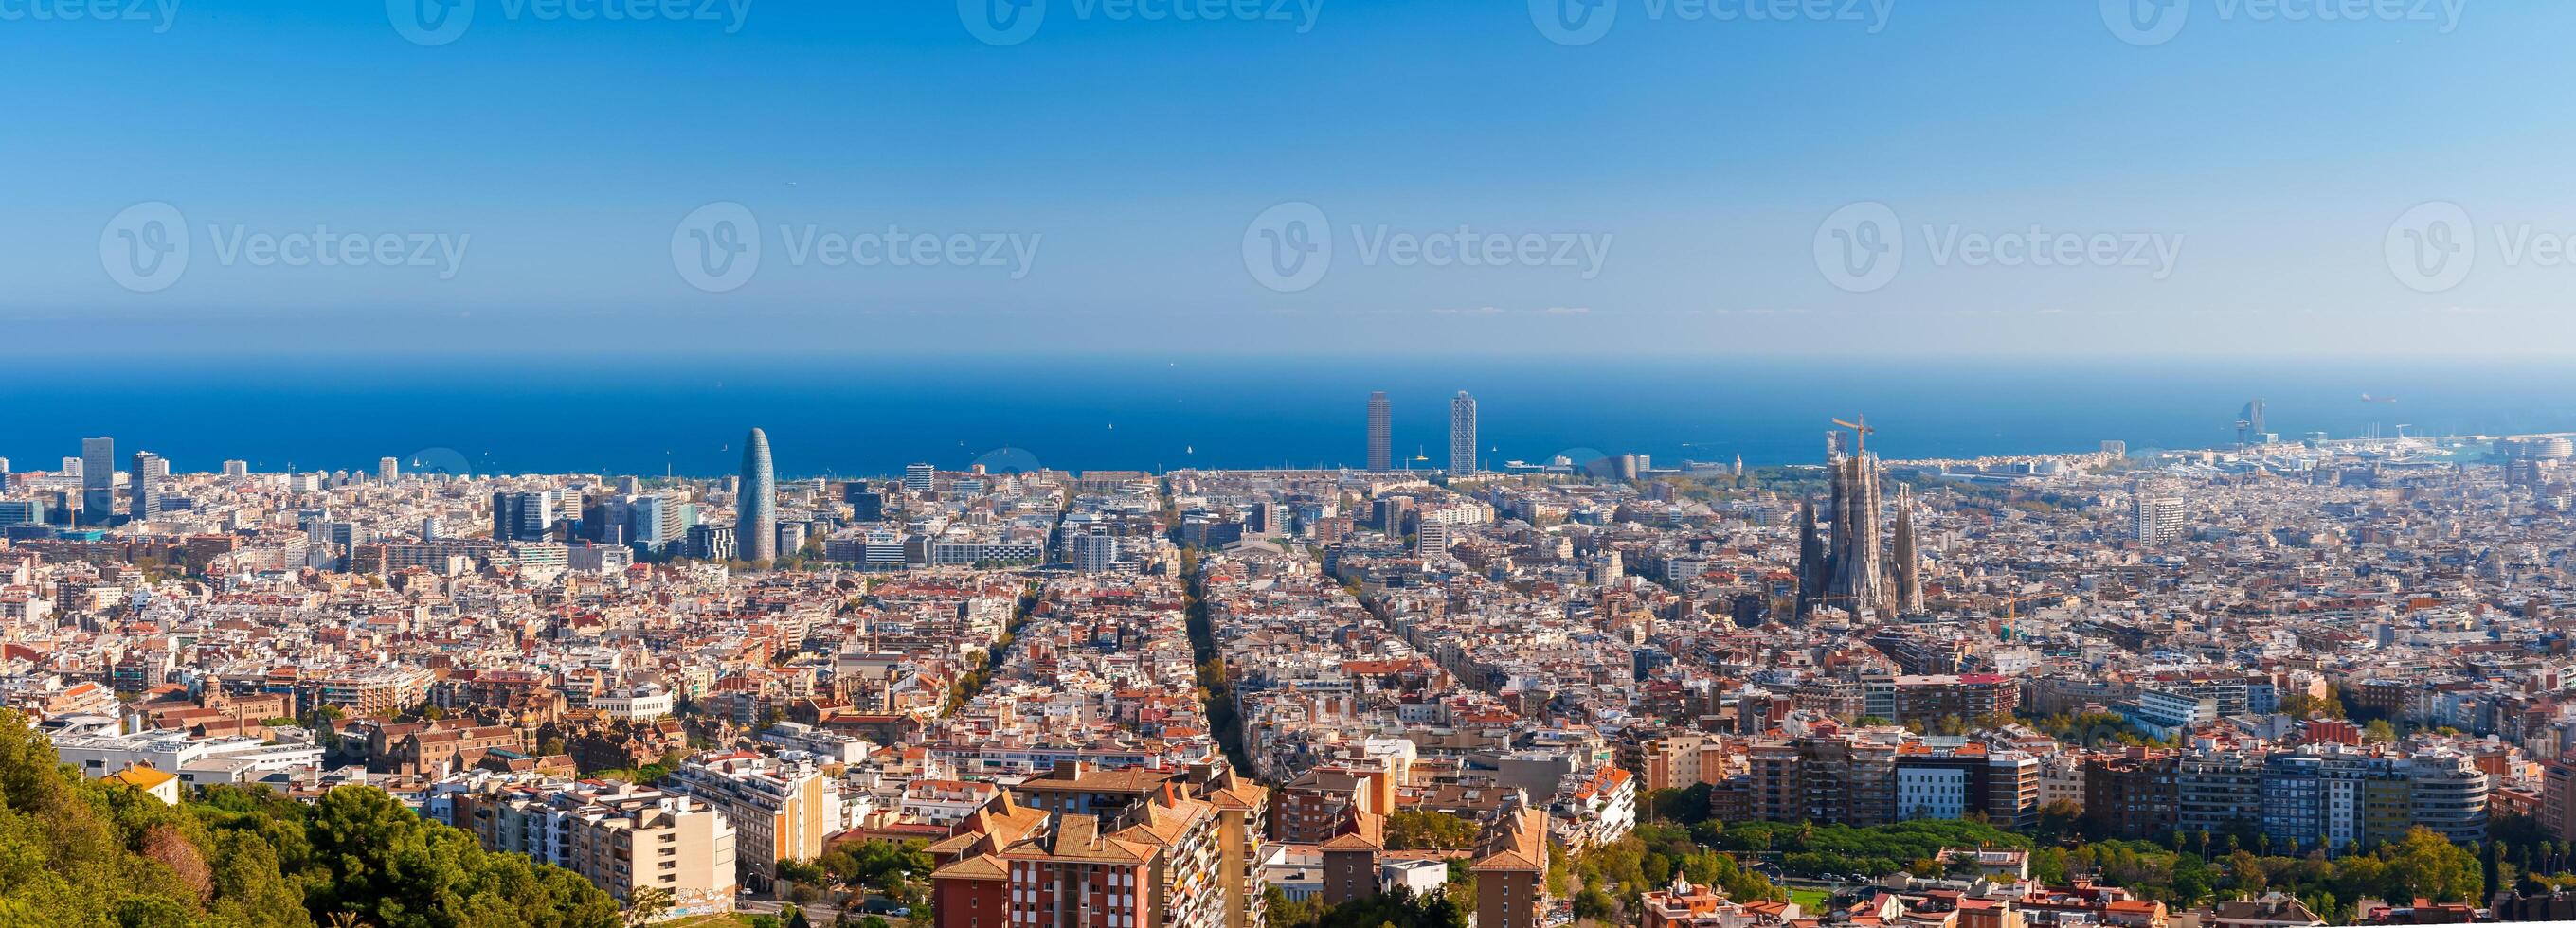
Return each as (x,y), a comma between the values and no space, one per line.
(1381,433)
(755,530)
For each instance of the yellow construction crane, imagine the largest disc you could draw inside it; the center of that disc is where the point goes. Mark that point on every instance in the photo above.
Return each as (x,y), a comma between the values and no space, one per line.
(1860,432)
(2011,607)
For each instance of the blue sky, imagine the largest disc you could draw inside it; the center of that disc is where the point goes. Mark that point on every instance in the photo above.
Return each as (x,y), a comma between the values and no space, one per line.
(2241,187)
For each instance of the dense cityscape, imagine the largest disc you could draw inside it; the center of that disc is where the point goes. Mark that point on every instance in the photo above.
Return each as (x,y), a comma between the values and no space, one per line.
(2303,681)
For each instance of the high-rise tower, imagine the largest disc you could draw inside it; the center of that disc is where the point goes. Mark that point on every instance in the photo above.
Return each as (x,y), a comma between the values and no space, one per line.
(755,528)
(98,480)
(144,499)
(1462,435)
(2158,519)
(1381,437)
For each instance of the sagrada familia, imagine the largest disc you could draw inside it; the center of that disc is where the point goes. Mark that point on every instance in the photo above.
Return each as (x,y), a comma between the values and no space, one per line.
(1864,572)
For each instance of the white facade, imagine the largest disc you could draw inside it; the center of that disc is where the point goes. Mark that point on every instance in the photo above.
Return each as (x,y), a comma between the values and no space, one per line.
(1931,792)
(638,704)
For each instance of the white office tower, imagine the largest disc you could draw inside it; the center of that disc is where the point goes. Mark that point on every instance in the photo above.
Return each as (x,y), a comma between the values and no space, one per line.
(1607,569)
(2159,518)
(1095,554)
(1431,538)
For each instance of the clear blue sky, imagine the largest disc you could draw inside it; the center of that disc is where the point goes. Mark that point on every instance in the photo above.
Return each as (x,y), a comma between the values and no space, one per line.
(1131,155)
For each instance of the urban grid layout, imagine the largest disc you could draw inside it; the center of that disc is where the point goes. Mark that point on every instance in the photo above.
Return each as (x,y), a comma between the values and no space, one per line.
(2293,681)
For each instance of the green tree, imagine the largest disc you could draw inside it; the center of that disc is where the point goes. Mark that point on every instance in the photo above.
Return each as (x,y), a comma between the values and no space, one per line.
(2245,874)
(93,853)
(647,905)
(1414,830)
(2425,864)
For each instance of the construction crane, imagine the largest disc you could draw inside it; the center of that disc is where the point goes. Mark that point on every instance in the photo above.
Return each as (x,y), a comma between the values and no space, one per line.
(2012,607)
(1860,433)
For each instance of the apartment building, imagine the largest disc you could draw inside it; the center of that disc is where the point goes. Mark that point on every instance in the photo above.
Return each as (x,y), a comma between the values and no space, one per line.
(2320,797)
(1879,776)
(622,839)
(1679,760)
(780,810)
(1511,868)
(1240,808)
(1929,698)
(361,693)
(2332,799)
(1155,864)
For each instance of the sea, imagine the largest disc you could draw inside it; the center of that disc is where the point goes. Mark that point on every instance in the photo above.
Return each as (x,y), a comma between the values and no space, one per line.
(866,415)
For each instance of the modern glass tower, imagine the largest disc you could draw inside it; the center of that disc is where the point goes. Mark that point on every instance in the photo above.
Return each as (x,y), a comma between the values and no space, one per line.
(1381,444)
(1462,435)
(144,497)
(98,480)
(755,528)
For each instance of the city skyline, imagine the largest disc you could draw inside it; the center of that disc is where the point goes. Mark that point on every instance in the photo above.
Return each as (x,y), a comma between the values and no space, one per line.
(1287,464)
(1537,435)
(1050,668)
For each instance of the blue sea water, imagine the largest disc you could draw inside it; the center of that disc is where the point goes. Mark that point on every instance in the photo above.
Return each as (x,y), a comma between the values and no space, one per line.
(865,415)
